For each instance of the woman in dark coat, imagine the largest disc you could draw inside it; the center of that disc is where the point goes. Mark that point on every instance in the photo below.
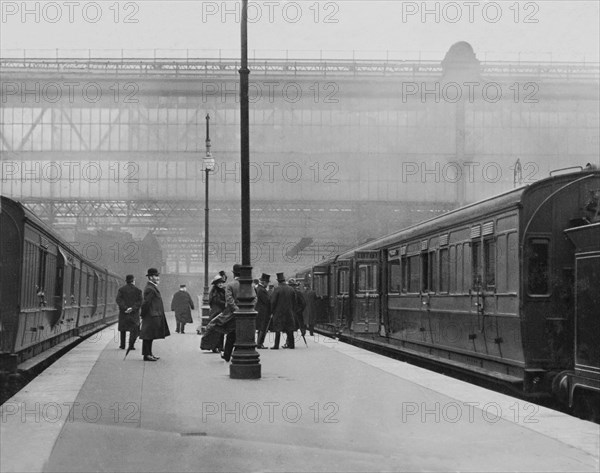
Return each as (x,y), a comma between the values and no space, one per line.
(212,338)
(182,304)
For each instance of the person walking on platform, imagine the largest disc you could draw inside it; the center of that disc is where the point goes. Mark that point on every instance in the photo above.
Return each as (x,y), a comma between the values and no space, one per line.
(129,300)
(231,299)
(263,309)
(213,338)
(299,305)
(310,312)
(282,306)
(154,322)
(182,304)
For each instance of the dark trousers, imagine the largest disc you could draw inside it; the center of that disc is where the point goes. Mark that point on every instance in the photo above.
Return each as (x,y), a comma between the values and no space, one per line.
(133,334)
(180,327)
(289,339)
(147,347)
(229,343)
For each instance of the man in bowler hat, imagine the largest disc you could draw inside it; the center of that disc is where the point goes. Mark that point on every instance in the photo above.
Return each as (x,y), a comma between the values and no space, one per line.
(263,309)
(129,300)
(154,322)
(282,306)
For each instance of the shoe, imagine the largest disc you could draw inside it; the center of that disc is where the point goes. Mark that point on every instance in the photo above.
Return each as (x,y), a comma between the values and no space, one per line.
(131,348)
(149,358)
(176,331)
(226,357)
(260,347)
(285,346)
(155,357)
(274,348)
(122,348)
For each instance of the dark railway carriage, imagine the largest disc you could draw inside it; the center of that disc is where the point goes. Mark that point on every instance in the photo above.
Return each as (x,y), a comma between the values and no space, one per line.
(487,289)
(49,293)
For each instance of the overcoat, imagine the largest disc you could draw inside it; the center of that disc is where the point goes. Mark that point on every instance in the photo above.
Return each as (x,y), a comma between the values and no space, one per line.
(282,306)
(129,296)
(154,322)
(216,301)
(310,311)
(299,306)
(182,304)
(263,308)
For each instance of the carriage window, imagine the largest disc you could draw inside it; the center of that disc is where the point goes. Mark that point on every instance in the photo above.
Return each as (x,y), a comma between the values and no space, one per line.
(404,273)
(320,282)
(343,281)
(394,277)
(489,256)
(414,274)
(476,280)
(538,264)
(367,278)
(444,270)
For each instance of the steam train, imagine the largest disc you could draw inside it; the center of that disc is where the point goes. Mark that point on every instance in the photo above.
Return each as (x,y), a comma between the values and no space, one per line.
(49,293)
(506,290)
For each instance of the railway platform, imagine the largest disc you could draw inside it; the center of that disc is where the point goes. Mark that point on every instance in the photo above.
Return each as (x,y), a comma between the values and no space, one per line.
(326,407)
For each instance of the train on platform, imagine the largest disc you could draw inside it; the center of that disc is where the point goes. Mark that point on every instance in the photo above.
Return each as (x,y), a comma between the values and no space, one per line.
(505,290)
(49,293)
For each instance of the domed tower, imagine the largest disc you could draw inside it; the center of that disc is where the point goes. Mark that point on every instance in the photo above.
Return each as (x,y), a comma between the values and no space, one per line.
(460,64)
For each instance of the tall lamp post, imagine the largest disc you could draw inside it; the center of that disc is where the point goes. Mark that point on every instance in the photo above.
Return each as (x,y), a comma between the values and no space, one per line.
(245,360)
(209,165)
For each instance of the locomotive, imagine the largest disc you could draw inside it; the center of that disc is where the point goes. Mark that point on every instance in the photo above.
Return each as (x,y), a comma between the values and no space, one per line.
(50,295)
(506,290)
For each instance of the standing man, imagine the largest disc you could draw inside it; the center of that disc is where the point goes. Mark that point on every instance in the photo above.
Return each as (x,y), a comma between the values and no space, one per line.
(129,300)
(263,309)
(182,304)
(299,305)
(154,322)
(282,306)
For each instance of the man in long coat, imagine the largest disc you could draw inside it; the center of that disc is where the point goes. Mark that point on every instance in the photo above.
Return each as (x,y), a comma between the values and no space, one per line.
(263,309)
(129,300)
(154,322)
(299,305)
(282,306)
(182,304)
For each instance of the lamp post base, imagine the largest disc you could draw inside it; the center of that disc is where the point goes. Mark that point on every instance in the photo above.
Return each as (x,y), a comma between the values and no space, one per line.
(245,361)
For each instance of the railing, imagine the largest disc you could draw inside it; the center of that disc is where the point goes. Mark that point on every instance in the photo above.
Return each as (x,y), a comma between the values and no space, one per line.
(296,67)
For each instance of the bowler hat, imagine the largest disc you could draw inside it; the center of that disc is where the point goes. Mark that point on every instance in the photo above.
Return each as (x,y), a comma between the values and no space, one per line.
(129,278)
(280,277)
(152,272)
(265,277)
(236,269)
(182,285)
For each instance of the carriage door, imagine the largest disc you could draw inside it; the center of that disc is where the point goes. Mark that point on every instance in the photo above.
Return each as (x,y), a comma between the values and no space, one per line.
(342,307)
(367,294)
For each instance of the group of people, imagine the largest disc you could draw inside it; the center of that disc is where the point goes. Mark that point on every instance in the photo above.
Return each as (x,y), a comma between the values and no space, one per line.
(282,309)
(285,308)
(148,305)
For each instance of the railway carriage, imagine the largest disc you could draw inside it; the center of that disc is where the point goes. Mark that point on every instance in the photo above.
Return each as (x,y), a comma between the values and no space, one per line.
(488,289)
(49,293)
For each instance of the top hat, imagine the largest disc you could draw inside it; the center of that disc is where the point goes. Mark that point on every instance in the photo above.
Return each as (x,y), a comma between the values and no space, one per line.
(265,277)
(152,272)
(129,278)
(280,277)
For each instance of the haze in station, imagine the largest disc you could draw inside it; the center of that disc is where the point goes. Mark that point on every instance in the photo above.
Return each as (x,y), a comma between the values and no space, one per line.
(363,120)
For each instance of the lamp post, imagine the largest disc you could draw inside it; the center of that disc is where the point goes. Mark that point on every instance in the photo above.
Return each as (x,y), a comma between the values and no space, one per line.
(209,165)
(245,359)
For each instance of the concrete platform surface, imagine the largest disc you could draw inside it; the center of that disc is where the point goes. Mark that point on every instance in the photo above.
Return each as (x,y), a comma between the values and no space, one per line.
(325,407)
